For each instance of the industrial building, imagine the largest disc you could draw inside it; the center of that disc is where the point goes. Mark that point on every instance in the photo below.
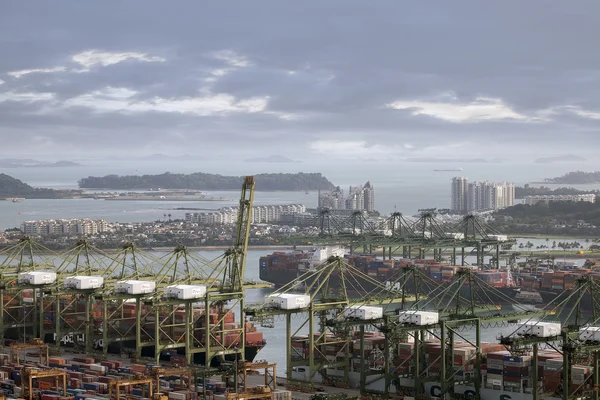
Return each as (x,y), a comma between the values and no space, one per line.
(531,200)
(468,196)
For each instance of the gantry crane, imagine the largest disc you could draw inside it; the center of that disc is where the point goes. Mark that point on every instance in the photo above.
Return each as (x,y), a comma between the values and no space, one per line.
(243,391)
(323,300)
(455,313)
(29,374)
(15,348)
(114,387)
(567,342)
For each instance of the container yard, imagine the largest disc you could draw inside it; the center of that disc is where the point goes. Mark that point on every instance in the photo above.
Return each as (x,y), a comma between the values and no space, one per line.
(87,325)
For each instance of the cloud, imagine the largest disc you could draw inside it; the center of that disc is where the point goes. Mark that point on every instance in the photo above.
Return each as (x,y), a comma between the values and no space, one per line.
(25,97)
(232,58)
(586,114)
(350,149)
(525,86)
(453,160)
(481,109)
(124,100)
(91,58)
(23,72)
(1,82)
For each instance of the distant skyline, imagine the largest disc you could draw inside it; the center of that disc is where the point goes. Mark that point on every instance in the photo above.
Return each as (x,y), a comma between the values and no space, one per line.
(337,81)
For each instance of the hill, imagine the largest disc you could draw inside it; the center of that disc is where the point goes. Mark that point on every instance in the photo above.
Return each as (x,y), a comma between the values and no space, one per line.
(202,181)
(559,217)
(527,190)
(576,178)
(12,187)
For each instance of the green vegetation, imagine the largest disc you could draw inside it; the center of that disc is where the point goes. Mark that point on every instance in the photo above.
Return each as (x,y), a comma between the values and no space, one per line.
(522,191)
(202,181)
(576,178)
(554,218)
(11,187)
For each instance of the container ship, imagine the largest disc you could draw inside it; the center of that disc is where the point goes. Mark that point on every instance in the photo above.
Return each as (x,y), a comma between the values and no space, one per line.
(503,375)
(557,286)
(280,268)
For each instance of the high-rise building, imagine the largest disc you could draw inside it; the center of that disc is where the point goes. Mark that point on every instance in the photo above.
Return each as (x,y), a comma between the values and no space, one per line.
(359,198)
(369,194)
(478,196)
(459,194)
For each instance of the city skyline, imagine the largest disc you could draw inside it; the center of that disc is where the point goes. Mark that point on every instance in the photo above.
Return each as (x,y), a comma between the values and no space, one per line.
(480,195)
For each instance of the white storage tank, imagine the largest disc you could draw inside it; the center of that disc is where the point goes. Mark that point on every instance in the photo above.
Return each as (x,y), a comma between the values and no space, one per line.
(419,317)
(363,312)
(135,287)
(37,277)
(591,334)
(287,301)
(185,292)
(539,329)
(84,282)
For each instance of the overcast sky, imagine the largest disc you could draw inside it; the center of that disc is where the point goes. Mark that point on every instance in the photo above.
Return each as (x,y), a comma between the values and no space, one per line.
(302,79)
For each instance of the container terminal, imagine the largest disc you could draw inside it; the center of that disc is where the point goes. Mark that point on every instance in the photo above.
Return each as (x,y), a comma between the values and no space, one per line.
(178,328)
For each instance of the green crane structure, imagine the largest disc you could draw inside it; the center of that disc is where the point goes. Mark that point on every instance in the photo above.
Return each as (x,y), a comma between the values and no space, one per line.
(456,313)
(327,302)
(425,236)
(147,322)
(568,342)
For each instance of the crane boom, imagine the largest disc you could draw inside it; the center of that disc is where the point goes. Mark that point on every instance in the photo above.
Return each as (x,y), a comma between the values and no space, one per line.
(236,267)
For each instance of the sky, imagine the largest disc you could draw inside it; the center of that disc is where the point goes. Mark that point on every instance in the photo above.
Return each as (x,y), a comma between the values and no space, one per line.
(334,81)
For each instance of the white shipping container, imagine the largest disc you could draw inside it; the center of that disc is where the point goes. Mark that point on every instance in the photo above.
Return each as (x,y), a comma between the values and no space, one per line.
(84,282)
(539,329)
(288,301)
(185,292)
(591,333)
(418,317)
(98,367)
(37,277)
(177,396)
(279,394)
(135,287)
(363,312)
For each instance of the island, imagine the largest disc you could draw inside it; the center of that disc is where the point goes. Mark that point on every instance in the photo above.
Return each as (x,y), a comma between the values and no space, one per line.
(28,163)
(202,181)
(15,190)
(527,190)
(576,178)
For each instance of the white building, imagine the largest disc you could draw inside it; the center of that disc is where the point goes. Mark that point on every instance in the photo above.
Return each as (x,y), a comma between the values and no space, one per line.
(64,226)
(259,214)
(359,198)
(531,200)
(480,196)
(459,194)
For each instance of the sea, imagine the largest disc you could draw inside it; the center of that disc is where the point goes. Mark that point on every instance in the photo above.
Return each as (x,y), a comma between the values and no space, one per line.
(399,186)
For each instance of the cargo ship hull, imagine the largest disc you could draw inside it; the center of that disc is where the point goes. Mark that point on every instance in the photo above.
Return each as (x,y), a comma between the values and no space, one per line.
(567,301)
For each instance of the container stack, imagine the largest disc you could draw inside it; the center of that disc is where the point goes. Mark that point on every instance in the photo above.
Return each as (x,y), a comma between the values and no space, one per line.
(493,278)
(517,372)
